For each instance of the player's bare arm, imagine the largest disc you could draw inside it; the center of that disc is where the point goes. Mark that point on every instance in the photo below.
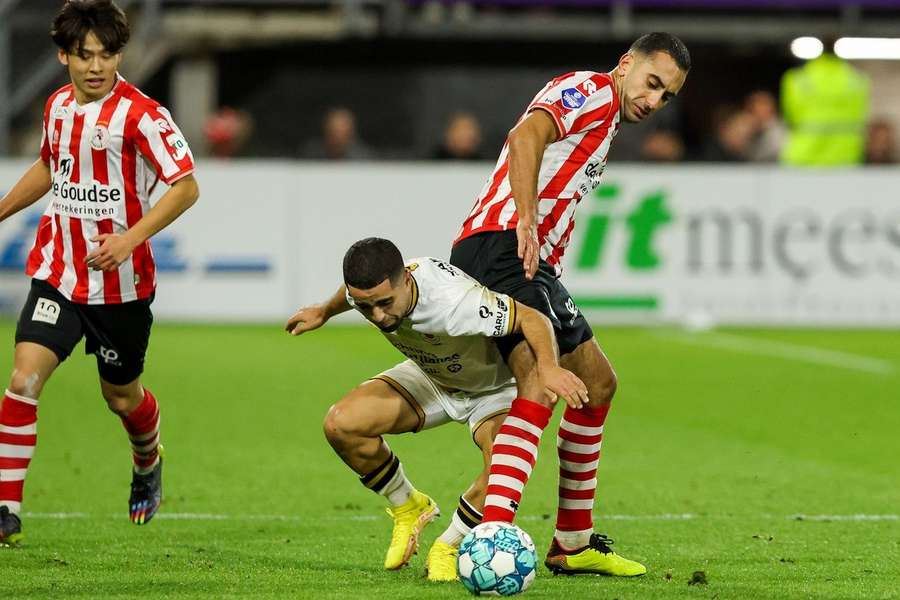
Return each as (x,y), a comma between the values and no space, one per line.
(30,188)
(116,248)
(538,332)
(313,317)
(527,142)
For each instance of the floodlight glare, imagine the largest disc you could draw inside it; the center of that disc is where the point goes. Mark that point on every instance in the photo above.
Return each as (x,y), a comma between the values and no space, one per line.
(807,47)
(868,48)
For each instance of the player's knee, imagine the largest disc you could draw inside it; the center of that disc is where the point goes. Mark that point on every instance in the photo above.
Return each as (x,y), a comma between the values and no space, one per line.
(612,385)
(338,425)
(603,390)
(120,402)
(530,386)
(522,361)
(26,383)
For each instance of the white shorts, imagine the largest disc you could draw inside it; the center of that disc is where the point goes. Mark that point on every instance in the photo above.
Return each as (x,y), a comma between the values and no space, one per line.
(436,406)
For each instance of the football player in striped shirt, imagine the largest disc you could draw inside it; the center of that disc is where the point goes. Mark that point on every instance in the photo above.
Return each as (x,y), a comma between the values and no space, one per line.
(105,145)
(513,242)
(445,323)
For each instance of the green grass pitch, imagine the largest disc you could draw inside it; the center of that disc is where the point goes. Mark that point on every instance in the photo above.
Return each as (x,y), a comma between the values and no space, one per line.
(767,459)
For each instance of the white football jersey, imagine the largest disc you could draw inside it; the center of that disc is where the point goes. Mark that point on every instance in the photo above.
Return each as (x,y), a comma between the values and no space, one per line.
(447,333)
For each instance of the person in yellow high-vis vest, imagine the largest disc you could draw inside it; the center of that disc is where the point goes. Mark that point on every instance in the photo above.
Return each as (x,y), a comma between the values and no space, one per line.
(825,104)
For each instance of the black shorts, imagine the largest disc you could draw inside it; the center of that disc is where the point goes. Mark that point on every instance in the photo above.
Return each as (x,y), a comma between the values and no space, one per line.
(492,259)
(117,333)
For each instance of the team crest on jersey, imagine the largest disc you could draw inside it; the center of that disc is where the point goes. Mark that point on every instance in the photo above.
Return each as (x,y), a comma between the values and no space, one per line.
(572,98)
(100,138)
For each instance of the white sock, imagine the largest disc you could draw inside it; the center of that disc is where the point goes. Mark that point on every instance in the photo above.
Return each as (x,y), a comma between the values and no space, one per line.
(14,507)
(398,489)
(572,540)
(464,519)
(389,481)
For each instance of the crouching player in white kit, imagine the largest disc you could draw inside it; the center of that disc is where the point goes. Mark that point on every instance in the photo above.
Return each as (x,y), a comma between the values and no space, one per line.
(442,320)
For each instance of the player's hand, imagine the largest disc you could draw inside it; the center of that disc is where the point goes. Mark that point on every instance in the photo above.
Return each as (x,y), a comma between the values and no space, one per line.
(113,251)
(306,319)
(564,384)
(529,251)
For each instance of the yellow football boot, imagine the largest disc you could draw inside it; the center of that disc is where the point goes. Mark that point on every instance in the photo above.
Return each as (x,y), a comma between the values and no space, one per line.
(595,558)
(409,521)
(440,564)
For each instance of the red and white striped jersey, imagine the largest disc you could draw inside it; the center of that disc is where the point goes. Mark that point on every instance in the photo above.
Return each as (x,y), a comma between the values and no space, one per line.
(105,158)
(585,107)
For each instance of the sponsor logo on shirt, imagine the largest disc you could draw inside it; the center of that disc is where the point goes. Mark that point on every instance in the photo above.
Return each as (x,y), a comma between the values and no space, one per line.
(573,310)
(178,144)
(593,170)
(444,267)
(174,139)
(64,167)
(501,318)
(92,200)
(572,98)
(423,357)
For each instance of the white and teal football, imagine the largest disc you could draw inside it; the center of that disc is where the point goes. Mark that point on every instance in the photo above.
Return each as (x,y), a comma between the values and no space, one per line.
(496,559)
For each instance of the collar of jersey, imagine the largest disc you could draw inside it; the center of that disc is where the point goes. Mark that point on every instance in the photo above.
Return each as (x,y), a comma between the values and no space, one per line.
(415,292)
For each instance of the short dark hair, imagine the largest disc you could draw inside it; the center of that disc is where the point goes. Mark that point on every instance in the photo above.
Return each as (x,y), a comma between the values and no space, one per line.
(78,17)
(664,42)
(370,261)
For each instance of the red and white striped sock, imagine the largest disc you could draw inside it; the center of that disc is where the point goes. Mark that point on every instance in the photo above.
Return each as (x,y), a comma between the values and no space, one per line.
(142,425)
(512,458)
(18,436)
(578,446)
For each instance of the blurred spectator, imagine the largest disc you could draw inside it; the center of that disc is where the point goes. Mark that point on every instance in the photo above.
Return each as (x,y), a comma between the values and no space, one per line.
(825,105)
(662,145)
(227,130)
(462,139)
(769,131)
(881,143)
(733,135)
(339,140)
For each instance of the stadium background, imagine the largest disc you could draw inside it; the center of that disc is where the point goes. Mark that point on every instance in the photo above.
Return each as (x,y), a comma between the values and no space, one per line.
(763,457)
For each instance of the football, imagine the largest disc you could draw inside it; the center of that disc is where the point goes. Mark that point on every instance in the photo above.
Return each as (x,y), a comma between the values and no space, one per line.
(496,559)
